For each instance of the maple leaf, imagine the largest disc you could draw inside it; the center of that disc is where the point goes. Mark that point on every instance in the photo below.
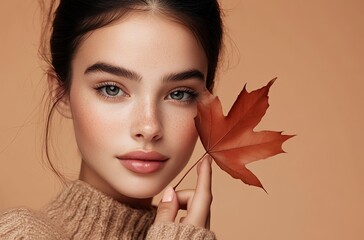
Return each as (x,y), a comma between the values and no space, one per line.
(231,140)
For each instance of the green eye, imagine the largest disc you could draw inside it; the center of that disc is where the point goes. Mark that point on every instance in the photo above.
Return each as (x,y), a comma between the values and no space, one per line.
(182,95)
(112,90)
(178,95)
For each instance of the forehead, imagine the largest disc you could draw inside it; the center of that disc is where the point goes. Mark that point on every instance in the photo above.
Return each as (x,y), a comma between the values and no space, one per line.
(147,40)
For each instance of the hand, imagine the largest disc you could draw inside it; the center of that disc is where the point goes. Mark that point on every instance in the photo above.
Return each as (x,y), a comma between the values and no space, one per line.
(197,202)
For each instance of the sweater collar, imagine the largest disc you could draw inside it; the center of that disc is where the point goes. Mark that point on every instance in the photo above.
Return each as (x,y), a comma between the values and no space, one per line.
(86,213)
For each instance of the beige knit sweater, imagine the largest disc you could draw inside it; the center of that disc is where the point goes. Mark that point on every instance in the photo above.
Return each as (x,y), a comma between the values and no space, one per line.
(82,212)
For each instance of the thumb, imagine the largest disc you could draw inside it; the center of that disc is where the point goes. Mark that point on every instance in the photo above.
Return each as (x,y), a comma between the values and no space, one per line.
(168,207)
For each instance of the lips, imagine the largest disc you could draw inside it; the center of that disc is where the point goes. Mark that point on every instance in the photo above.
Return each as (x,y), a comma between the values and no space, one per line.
(140,155)
(143,162)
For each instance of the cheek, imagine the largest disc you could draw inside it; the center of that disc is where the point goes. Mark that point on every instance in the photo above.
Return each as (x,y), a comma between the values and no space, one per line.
(182,132)
(93,127)
(188,134)
(182,136)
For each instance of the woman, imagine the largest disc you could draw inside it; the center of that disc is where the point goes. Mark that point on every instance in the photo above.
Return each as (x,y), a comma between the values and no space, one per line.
(128,74)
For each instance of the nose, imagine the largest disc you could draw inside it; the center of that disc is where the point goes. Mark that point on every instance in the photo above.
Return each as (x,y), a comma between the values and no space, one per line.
(147,124)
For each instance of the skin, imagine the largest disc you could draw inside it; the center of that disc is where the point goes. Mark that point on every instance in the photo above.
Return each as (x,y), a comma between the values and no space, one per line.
(115,113)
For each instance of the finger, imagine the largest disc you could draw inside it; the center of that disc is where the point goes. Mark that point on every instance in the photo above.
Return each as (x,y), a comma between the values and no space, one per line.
(199,208)
(204,174)
(185,198)
(167,207)
(203,186)
(207,226)
(182,219)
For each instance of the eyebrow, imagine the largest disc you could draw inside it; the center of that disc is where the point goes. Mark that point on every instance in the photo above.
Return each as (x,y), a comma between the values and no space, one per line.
(189,74)
(126,73)
(114,70)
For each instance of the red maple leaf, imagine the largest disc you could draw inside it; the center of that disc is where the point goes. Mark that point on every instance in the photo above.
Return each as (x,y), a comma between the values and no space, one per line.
(231,140)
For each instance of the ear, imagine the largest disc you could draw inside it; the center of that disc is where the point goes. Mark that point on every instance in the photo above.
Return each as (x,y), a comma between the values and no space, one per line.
(58,96)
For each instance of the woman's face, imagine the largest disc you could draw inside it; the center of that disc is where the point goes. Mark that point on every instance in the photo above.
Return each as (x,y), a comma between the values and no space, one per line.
(133,103)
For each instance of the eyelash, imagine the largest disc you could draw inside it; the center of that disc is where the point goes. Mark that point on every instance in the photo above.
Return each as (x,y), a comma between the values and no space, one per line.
(193,95)
(99,88)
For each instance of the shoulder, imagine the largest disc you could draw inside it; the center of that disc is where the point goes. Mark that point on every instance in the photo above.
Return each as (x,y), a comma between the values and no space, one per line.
(27,224)
(14,218)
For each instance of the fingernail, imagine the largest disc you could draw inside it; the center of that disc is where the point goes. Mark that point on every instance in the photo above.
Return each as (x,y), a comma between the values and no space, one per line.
(168,194)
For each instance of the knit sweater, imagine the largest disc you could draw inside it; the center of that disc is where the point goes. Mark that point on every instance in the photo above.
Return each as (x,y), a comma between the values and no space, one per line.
(82,212)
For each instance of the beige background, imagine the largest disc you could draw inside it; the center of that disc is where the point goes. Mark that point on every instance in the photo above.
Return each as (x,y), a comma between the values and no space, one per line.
(316,50)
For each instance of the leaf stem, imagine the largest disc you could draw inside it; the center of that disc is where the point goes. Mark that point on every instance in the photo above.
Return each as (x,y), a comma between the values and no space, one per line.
(189,170)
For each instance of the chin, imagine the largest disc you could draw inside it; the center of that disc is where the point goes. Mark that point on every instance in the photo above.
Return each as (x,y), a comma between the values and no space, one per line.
(142,191)
(141,194)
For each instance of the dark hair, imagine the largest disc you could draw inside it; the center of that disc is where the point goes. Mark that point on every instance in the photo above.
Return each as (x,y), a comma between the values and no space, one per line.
(69,23)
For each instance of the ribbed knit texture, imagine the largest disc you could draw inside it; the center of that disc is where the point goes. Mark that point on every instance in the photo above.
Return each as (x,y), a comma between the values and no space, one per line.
(174,231)
(25,224)
(82,212)
(86,213)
